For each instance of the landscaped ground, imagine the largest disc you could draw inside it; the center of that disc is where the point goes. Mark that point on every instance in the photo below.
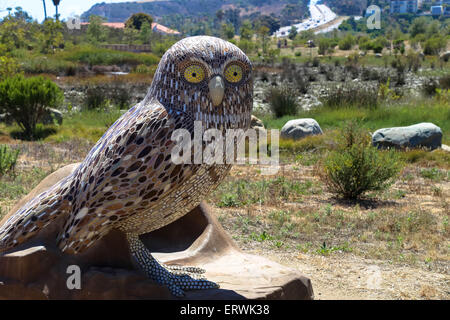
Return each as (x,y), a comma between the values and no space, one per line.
(393,245)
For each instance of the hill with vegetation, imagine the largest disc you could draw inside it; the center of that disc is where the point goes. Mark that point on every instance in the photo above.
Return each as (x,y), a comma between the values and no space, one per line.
(119,12)
(347,7)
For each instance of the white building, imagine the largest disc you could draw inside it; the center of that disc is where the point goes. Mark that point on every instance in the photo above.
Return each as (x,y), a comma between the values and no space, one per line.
(437,10)
(404,6)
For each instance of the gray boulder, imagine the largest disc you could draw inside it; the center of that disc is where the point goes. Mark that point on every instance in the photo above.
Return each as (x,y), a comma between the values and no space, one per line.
(51,115)
(256,123)
(445,56)
(422,135)
(300,128)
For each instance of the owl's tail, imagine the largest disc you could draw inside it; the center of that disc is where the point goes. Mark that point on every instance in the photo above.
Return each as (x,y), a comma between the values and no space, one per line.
(33,217)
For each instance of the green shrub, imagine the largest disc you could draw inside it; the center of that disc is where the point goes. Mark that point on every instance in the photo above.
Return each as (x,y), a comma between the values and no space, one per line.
(347,42)
(27,100)
(8,159)
(96,98)
(282,100)
(350,95)
(8,67)
(444,82)
(356,167)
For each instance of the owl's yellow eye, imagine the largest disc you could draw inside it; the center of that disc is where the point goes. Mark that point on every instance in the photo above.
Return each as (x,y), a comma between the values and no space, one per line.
(233,73)
(194,73)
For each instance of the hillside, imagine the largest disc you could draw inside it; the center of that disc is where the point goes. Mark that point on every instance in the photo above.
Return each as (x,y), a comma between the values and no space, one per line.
(348,7)
(118,12)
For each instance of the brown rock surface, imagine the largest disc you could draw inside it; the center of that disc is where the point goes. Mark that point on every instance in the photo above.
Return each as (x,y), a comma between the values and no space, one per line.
(38,270)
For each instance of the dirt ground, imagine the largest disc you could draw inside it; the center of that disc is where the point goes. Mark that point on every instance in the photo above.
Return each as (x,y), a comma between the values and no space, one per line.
(368,271)
(394,246)
(354,278)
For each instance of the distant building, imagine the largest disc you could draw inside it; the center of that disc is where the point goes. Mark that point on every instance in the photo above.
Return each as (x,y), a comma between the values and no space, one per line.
(404,6)
(446,6)
(437,10)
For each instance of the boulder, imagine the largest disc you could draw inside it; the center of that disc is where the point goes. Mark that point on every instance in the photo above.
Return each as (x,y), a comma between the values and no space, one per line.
(52,115)
(445,56)
(445,147)
(38,270)
(256,123)
(6,118)
(300,128)
(422,135)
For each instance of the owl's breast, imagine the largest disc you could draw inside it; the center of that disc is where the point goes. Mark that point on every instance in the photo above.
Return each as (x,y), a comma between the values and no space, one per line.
(180,199)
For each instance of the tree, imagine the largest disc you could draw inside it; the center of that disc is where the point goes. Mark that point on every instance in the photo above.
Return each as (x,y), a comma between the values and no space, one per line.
(272,23)
(246,30)
(137,19)
(56,4)
(263,34)
(96,32)
(51,37)
(131,35)
(27,100)
(292,33)
(146,32)
(418,26)
(12,33)
(220,15)
(228,31)
(435,45)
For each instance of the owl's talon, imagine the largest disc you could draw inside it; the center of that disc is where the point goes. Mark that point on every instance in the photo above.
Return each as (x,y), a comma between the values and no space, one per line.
(176,278)
(183,270)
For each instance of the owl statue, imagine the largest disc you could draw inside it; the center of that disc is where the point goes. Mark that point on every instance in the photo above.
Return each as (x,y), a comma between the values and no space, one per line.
(128,180)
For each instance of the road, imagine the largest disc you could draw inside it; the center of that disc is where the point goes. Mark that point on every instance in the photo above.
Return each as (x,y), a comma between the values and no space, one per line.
(320,15)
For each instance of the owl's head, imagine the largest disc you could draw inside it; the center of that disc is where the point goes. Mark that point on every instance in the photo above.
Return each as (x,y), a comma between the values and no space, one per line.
(208,78)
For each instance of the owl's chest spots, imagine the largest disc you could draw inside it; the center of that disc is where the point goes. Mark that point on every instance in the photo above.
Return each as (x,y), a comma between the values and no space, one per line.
(179,201)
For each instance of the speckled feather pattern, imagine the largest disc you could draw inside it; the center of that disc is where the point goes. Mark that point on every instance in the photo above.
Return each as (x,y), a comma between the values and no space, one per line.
(128,180)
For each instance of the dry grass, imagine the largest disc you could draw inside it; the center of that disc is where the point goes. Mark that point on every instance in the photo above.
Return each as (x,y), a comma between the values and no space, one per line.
(406,224)
(291,218)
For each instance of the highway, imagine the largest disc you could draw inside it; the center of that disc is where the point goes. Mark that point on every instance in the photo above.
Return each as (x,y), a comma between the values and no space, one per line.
(320,15)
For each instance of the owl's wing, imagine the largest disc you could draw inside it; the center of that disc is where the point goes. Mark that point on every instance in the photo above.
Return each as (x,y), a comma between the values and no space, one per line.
(128,170)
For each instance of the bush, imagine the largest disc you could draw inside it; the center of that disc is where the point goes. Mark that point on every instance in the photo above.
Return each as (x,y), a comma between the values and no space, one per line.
(350,95)
(444,82)
(347,42)
(27,100)
(356,167)
(429,87)
(96,98)
(8,159)
(282,100)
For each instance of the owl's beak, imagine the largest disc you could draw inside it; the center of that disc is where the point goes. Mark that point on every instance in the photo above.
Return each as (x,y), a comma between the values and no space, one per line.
(216,90)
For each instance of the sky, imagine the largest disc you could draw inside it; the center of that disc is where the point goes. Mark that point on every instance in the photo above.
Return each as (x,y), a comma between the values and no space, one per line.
(67,8)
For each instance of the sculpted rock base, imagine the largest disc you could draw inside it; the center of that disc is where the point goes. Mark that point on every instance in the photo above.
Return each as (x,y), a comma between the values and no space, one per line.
(38,270)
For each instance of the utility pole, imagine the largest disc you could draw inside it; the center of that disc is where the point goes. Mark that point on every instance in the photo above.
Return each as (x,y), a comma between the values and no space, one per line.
(45,10)
(56,4)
